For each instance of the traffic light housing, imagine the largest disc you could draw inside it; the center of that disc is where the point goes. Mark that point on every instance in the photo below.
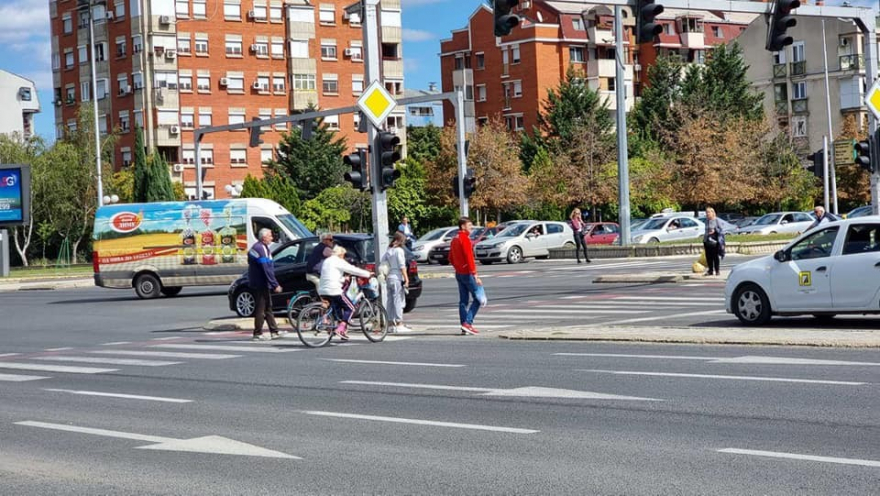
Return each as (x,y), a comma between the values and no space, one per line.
(308,128)
(470,184)
(256,134)
(647,27)
(386,145)
(357,176)
(818,167)
(504,20)
(780,21)
(862,154)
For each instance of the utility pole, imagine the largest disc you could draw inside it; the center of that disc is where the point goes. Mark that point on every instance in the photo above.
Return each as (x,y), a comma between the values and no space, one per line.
(89,5)
(622,146)
(464,207)
(829,157)
(374,73)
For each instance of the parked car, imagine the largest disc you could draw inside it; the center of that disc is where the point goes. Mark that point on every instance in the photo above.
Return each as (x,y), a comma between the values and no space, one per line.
(821,273)
(422,246)
(745,222)
(860,212)
(523,240)
(601,233)
(779,223)
(290,270)
(440,253)
(731,217)
(671,228)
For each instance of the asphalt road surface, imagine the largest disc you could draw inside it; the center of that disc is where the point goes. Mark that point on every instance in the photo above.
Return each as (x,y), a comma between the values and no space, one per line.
(101,393)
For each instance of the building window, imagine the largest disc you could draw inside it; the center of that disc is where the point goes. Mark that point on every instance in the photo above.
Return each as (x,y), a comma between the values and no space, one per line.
(203,83)
(202,45)
(277,48)
(330,84)
(238,156)
(233,47)
(780,92)
(71,125)
(280,113)
(186,83)
(205,118)
(235,83)
(206,155)
(481,61)
(514,54)
(481,93)
(236,116)
(421,111)
(199,9)
(304,82)
(124,121)
(327,15)
(181,8)
(576,54)
(798,53)
(187,120)
(261,48)
(165,79)
(100,52)
(295,14)
(101,89)
(482,121)
(275,13)
(299,49)
(266,155)
(262,84)
(137,80)
(278,84)
(120,48)
(578,24)
(184,45)
(332,122)
(70,94)
(265,115)
(102,124)
(799,126)
(85,91)
(68,23)
(391,51)
(137,44)
(394,123)
(514,122)
(68,59)
(356,53)
(517,89)
(232,11)
(668,29)
(82,54)
(391,18)
(82,20)
(357,85)
(328,51)
(126,157)
(717,32)
(356,120)
(799,90)
(139,118)
(56,61)
(122,82)
(260,12)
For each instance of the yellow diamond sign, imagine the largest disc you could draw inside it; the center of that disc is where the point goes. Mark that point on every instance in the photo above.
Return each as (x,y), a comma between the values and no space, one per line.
(376,103)
(872,99)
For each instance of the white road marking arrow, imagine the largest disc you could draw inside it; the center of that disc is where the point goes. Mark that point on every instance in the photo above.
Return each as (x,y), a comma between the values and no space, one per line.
(521,392)
(208,444)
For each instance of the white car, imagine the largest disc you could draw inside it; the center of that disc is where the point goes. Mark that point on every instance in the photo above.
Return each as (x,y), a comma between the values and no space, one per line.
(524,239)
(779,223)
(422,246)
(671,228)
(833,269)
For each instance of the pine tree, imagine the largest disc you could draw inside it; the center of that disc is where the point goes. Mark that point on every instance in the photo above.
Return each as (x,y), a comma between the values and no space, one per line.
(158,187)
(312,165)
(571,104)
(139,191)
(651,116)
(725,85)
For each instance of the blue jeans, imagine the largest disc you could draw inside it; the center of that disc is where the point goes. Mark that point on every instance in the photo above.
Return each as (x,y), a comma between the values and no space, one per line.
(468,305)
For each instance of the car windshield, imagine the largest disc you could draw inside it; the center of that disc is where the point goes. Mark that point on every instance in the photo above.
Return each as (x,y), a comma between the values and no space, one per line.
(477,232)
(433,235)
(513,231)
(767,220)
(295,226)
(653,224)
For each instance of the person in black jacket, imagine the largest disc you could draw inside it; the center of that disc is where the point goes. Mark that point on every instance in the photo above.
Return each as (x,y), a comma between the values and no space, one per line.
(261,278)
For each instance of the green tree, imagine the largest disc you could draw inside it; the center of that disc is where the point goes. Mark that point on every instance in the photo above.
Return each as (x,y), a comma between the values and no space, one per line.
(141,168)
(275,187)
(15,149)
(725,86)
(158,185)
(572,104)
(423,143)
(337,209)
(407,197)
(312,165)
(651,115)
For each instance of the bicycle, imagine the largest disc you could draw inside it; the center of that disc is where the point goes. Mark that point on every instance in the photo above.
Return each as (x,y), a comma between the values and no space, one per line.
(299,301)
(316,323)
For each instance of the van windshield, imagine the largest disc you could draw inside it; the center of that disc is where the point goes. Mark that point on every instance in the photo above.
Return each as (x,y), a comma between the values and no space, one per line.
(295,226)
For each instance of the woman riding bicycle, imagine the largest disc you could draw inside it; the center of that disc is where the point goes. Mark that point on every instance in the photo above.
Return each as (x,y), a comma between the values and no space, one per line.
(333,285)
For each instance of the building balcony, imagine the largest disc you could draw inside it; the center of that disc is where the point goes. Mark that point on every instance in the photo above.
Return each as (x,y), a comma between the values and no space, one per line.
(782,107)
(780,71)
(165,136)
(166,98)
(799,106)
(695,40)
(601,34)
(392,34)
(607,68)
(799,68)
(851,62)
(392,68)
(303,99)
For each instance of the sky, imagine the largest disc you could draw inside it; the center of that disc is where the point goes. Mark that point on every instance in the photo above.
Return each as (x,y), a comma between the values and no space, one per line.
(25,35)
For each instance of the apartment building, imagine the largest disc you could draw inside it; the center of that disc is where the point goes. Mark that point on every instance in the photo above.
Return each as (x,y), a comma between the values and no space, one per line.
(424,114)
(171,66)
(793,80)
(18,99)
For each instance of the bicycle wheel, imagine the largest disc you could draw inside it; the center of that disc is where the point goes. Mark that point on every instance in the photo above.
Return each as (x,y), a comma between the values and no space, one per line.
(312,328)
(373,320)
(296,305)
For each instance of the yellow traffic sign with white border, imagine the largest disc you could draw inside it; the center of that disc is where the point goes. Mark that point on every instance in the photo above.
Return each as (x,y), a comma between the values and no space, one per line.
(872,99)
(376,103)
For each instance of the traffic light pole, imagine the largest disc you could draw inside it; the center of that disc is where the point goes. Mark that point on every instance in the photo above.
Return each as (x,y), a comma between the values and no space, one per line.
(868,25)
(464,207)
(622,146)
(825,178)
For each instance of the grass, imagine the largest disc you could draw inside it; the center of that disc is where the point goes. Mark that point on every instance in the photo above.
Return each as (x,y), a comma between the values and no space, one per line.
(737,238)
(39,272)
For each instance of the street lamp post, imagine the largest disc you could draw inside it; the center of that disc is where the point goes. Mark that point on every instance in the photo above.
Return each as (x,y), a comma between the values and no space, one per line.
(88,5)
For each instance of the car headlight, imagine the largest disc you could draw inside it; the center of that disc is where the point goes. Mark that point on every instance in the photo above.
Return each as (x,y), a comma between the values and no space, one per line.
(638,238)
(418,248)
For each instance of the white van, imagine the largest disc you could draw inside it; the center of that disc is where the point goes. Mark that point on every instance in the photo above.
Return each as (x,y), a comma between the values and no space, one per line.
(158,248)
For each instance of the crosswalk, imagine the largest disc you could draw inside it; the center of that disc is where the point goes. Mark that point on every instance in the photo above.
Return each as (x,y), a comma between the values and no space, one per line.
(577,309)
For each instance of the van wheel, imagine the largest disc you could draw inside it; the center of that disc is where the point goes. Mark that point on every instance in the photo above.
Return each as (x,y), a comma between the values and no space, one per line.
(147,286)
(171,290)
(751,305)
(245,303)
(410,305)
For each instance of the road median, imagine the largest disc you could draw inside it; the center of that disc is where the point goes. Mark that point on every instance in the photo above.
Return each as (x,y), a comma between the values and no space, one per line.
(47,284)
(658,278)
(704,335)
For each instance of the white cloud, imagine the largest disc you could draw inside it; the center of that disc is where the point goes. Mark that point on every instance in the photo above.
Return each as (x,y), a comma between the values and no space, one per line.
(24,20)
(416,35)
(410,64)
(416,3)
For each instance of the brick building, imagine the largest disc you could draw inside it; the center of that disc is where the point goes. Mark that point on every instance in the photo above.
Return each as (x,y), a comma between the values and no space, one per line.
(510,76)
(172,65)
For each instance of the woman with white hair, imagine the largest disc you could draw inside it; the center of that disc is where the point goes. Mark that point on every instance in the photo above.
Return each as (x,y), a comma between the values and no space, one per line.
(332,287)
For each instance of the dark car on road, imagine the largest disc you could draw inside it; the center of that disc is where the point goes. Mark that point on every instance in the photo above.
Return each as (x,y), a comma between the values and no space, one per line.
(290,270)
(440,253)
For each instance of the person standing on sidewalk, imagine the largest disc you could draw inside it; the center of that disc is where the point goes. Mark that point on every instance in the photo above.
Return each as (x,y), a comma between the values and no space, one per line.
(407,231)
(261,278)
(461,256)
(397,282)
(713,241)
(578,226)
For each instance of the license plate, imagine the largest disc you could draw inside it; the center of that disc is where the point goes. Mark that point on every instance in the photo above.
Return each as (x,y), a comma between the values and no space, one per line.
(481,253)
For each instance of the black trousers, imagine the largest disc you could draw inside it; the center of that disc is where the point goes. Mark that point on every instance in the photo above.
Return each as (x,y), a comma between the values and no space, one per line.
(263,311)
(580,242)
(713,258)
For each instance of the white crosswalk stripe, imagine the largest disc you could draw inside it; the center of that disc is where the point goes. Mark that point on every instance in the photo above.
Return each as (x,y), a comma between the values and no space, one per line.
(220,347)
(107,361)
(41,367)
(20,378)
(166,354)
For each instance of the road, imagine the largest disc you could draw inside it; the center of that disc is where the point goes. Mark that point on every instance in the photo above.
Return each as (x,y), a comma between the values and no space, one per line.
(106,394)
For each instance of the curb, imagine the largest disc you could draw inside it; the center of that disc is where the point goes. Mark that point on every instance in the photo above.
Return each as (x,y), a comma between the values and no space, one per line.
(702,335)
(656,278)
(46,285)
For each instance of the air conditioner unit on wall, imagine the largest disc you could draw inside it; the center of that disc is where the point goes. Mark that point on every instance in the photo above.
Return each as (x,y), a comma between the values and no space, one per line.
(165,20)
(178,168)
(251,14)
(347,52)
(170,54)
(110,15)
(254,48)
(257,85)
(224,81)
(844,42)
(174,129)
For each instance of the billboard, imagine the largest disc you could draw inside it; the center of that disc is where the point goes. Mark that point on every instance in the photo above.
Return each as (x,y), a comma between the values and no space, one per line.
(15,190)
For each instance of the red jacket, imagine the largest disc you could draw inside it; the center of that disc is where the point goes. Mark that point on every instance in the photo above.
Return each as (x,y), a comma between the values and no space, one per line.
(461,254)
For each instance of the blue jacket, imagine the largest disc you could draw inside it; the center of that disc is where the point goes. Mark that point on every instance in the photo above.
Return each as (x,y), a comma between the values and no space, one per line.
(261,269)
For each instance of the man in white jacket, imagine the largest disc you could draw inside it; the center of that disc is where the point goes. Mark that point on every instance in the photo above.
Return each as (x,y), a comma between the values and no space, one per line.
(332,287)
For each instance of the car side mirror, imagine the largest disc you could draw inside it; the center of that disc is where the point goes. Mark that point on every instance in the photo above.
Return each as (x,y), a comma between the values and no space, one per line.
(781,256)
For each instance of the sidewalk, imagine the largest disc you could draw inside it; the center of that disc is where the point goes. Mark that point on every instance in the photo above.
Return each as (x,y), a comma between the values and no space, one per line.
(45,283)
(705,335)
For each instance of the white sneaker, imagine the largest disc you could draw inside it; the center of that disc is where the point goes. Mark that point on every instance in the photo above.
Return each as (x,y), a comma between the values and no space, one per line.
(402,328)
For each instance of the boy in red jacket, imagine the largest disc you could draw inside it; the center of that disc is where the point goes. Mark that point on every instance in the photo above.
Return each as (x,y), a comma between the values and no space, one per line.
(461,256)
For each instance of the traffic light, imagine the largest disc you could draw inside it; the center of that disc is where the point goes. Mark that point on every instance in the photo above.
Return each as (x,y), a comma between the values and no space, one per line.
(647,27)
(470,184)
(780,21)
(256,133)
(862,154)
(504,20)
(308,128)
(818,167)
(386,144)
(358,174)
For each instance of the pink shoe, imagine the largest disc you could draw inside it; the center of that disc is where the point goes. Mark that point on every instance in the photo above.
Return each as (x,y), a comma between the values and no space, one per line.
(342,331)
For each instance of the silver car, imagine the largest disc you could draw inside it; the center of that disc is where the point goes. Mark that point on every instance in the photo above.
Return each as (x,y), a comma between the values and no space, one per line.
(524,240)
(671,228)
(780,223)
(422,246)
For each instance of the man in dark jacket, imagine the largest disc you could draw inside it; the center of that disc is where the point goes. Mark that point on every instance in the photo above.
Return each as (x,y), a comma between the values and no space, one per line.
(822,217)
(321,251)
(261,278)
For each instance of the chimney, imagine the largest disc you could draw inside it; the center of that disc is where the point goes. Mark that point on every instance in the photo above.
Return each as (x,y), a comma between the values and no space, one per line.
(432,87)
